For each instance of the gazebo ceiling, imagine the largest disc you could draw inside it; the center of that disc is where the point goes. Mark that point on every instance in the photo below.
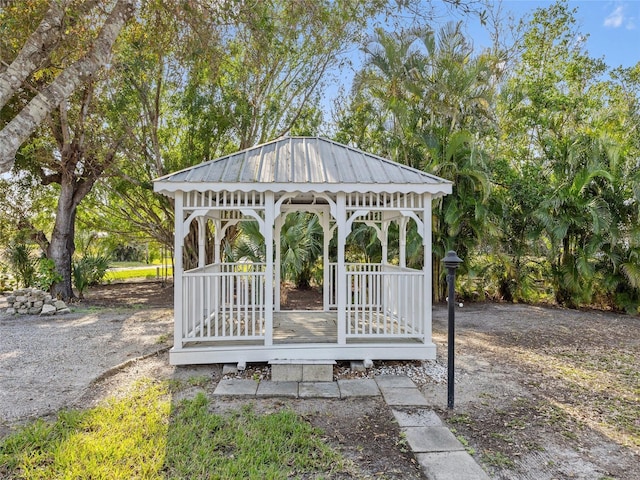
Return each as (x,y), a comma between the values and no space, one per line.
(302,164)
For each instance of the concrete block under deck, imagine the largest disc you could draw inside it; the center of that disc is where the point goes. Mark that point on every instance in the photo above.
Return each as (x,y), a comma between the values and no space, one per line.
(302,370)
(286,372)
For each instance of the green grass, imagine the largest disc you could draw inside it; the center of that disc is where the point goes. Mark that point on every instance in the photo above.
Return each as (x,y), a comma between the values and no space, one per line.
(498,459)
(461,419)
(156,262)
(145,436)
(127,264)
(124,438)
(119,275)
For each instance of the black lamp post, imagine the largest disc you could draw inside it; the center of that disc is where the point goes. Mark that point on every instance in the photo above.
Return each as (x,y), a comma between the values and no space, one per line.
(451,262)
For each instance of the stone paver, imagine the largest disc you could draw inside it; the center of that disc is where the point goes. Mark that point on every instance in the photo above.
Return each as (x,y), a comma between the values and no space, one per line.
(361,387)
(277,389)
(432,439)
(394,381)
(417,417)
(236,387)
(403,397)
(450,465)
(440,454)
(318,390)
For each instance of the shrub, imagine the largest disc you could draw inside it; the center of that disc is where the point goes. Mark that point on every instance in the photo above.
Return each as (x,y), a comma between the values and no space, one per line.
(46,274)
(5,280)
(89,271)
(128,253)
(21,263)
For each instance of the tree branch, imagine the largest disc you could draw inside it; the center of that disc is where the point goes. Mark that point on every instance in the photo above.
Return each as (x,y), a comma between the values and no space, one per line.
(35,51)
(24,123)
(38,47)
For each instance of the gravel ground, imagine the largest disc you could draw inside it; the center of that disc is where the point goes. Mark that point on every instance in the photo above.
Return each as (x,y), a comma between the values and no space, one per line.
(48,362)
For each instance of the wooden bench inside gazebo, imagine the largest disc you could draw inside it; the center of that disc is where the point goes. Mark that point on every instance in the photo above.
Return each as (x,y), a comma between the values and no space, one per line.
(231,312)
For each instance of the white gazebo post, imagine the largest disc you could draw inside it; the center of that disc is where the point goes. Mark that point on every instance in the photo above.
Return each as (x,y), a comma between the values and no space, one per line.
(177,270)
(217,239)
(326,273)
(277,280)
(402,227)
(268,227)
(341,280)
(202,252)
(384,240)
(428,268)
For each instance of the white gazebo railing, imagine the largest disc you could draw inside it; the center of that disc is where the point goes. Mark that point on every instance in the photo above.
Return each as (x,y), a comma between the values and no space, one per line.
(224,302)
(350,267)
(386,304)
(383,301)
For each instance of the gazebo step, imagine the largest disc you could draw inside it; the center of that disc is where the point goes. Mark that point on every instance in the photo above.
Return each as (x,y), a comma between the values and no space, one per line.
(291,370)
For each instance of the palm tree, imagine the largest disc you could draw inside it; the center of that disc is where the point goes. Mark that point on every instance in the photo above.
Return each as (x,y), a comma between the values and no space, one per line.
(429,90)
(617,263)
(456,88)
(577,219)
(460,219)
(387,80)
(456,91)
(300,246)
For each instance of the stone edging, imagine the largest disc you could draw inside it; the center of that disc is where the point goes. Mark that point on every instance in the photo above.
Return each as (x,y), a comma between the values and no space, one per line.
(33,301)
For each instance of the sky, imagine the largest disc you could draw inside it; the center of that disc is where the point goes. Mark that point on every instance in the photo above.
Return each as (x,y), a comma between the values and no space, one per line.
(613,27)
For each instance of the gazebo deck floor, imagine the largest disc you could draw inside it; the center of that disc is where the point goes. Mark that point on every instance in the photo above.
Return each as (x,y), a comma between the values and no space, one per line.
(308,326)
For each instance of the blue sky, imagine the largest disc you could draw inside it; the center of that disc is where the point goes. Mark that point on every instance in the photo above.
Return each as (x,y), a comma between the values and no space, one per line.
(613,27)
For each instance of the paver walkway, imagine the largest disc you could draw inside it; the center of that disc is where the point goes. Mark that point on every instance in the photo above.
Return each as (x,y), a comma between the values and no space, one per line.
(440,454)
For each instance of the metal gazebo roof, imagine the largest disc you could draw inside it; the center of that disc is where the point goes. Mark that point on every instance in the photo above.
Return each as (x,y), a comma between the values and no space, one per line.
(304,164)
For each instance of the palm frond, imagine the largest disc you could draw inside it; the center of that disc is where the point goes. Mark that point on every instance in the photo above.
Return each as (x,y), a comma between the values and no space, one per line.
(631,271)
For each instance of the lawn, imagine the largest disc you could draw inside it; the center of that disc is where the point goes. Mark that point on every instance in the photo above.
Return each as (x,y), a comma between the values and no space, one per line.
(146,435)
(149,272)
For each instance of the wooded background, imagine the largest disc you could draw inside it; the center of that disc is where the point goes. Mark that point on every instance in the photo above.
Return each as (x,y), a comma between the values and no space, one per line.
(540,139)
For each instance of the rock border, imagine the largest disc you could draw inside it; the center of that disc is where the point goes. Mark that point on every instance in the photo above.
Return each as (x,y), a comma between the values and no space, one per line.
(33,301)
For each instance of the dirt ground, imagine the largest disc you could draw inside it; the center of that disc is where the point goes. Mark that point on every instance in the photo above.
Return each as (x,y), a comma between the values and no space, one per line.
(541,393)
(545,393)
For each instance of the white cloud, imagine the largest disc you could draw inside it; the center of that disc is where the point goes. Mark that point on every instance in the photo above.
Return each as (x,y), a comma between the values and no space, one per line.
(615,18)
(631,24)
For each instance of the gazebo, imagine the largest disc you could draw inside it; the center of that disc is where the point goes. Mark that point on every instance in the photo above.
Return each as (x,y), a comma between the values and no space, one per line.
(231,312)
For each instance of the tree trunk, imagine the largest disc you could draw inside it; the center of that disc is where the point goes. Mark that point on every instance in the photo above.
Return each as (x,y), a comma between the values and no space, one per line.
(62,246)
